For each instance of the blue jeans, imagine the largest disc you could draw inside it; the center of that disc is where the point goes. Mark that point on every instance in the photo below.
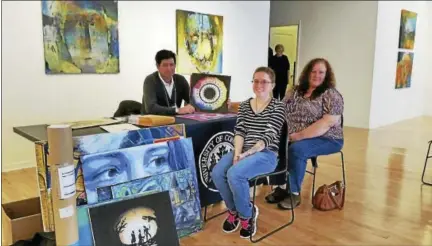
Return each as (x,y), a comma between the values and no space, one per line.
(299,152)
(232,181)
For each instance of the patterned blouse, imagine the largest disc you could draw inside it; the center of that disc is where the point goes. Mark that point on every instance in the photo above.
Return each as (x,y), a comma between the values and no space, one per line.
(303,112)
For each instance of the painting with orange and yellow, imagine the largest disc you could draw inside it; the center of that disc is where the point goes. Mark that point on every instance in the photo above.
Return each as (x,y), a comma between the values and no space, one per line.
(404,70)
(80,37)
(199,42)
(407,29)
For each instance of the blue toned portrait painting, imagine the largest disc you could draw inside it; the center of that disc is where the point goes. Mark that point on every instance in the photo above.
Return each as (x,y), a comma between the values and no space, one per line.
(122,165)
(105,142)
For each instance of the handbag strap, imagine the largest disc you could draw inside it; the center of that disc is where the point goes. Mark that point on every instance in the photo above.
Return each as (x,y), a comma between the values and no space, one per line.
(342,189)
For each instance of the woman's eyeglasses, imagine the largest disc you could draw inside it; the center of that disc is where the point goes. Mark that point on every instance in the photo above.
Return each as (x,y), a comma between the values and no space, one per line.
(262,82)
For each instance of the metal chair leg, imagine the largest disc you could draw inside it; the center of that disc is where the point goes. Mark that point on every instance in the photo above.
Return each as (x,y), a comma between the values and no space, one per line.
(313,184)
(277,229)
(343,169)
(425,165)
(212,217)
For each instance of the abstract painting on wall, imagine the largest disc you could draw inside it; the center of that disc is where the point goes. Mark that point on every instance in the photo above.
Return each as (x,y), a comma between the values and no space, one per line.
(199,42)
(407,29)
(80,37)
(404,70)
(141,221)
(210,93)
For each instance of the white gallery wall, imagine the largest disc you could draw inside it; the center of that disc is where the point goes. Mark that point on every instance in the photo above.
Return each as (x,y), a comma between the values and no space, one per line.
(390,105)
(344,33)
(428,78)
(360,40)
(31,97)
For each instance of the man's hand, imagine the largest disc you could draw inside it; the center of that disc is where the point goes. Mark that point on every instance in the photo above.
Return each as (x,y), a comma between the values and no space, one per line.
(188,109)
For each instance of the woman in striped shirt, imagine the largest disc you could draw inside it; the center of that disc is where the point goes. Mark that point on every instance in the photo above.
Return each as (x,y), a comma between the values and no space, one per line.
(256,145)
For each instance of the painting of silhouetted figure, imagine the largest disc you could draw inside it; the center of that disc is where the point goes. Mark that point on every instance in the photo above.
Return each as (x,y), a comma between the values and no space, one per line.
(133,238)
(139,221)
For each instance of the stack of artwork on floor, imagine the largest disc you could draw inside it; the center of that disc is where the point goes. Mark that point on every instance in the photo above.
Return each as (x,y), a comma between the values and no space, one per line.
(136,187)
(405,55)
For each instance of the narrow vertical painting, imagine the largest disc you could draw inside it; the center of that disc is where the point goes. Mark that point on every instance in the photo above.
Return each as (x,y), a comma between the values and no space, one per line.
(80,37)
(210,93)
(404,70)
(407,30)
(199,42)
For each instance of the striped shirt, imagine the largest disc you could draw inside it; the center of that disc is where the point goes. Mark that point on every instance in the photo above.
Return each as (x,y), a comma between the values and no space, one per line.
(265,126)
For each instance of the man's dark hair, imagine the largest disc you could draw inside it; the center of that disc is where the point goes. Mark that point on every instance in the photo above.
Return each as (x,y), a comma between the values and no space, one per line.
(164,54)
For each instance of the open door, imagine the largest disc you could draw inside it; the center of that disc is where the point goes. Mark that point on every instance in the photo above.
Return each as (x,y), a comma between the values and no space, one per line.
(288,37)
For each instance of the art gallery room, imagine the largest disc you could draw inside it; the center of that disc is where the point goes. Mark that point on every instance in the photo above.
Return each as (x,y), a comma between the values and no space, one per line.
(216,123)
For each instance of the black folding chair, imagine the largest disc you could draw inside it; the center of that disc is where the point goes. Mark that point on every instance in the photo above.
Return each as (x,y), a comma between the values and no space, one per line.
(314,161)
(425,165)
(254,181)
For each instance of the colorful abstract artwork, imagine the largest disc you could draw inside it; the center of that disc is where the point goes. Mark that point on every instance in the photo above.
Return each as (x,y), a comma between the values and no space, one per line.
(210,93)
(199,42)
(183,188)
(206,116)
(407,29)
(92,144)
(140,221)
(80,37)
(404,70)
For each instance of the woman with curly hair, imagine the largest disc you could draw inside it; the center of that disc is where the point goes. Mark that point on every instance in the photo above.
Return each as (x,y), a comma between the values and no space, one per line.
(314,117)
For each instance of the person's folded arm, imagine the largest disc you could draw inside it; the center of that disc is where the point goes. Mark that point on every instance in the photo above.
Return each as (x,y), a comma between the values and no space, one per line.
(320,127)
(150,99)
(333,107)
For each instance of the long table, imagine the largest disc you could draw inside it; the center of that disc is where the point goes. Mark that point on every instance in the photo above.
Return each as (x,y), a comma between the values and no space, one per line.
(211,139)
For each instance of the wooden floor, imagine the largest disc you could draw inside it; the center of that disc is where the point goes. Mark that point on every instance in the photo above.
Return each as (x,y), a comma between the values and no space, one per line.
(386,203)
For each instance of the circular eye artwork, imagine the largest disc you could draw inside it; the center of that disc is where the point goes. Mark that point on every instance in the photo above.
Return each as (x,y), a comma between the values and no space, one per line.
(209,94)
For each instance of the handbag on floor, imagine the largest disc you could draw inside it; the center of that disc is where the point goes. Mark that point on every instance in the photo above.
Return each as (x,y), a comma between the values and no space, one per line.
(329,197)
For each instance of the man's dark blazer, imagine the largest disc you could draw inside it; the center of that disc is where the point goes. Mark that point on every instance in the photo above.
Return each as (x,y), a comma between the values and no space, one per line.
(154,99)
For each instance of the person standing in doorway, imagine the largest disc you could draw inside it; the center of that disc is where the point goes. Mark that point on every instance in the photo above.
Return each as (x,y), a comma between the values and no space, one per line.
(281,66)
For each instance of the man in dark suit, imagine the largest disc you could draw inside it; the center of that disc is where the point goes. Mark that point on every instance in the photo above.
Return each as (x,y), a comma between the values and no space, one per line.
(164,90)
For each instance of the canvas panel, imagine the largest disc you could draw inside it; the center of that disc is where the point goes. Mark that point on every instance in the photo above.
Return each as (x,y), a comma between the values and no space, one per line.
(93,144)
(143,220)
(183,189)
(210,93)
(80,37)
(199,42)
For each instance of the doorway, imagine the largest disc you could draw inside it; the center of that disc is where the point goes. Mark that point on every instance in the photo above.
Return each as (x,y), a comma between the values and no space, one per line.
(288,36)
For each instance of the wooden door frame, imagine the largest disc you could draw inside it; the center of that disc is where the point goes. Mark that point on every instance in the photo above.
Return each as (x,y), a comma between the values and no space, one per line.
(298,24)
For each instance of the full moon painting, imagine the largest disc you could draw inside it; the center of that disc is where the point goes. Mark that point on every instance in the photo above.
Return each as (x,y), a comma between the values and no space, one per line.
(137,226)
(145,220)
